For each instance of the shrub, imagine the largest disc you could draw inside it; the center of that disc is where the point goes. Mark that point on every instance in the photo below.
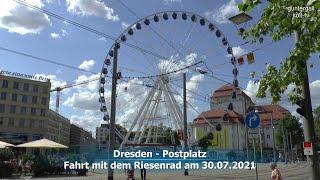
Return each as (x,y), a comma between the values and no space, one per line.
(6,167)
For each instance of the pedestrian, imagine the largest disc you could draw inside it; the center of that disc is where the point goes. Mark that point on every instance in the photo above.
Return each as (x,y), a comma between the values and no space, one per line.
(143,173)
(275,174)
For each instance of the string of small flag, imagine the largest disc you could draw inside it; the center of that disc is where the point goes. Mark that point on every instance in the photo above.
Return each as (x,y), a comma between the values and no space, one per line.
(249,56)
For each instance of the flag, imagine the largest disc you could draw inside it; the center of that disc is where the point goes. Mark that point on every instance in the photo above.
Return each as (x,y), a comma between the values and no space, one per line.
(250,58)
(240,60)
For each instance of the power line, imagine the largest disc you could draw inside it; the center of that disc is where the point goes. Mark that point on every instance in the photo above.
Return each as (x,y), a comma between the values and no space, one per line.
(163,74)
(78,69)
(87,28)
(45,60)
(154,31)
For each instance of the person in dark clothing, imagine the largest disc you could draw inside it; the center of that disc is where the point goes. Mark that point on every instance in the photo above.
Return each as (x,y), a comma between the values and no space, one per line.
(143,174)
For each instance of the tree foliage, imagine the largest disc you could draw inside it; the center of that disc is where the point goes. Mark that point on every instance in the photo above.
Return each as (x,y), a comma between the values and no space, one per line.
(290,125)
(204,142)
(277,21)
(317,121)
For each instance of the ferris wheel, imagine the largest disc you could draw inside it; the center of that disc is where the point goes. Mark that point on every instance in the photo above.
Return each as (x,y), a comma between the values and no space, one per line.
(151,55)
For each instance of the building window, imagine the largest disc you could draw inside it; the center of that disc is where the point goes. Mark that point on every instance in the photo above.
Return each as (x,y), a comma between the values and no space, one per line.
(3,95)
(268,136)
(36,137)
(14,97)
(25,87)
(34,99)
(13,109)
(11,122)
(33,111)
(16,85)
(5,84)
(1,120)
(35,88)
(44,90)
(31,123)
(24,98)
(42,112)
(23,110)
(41,123)
(21,122)
(2,108)
(43,101)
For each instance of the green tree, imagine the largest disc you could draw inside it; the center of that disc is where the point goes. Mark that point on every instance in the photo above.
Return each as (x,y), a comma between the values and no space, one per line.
(204,142)
(316,113)
(291,125)
(278,22)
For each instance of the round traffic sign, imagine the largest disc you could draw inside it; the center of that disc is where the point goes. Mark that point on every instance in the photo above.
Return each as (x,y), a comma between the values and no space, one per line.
(252,120)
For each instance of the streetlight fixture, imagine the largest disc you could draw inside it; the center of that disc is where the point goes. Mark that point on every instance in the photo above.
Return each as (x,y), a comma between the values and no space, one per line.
(240,18)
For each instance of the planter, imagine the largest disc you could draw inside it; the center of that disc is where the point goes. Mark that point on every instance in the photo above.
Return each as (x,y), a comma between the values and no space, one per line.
(82,172)
(5,170)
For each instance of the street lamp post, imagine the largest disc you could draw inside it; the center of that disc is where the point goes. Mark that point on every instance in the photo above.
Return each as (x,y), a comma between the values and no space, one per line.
(284,146)
(291,147)
(261,151)
(273,140)
(112,138)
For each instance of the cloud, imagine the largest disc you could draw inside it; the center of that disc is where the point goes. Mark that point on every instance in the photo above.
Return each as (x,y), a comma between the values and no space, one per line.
(17,18)
(55,82)
(85,97)
(315,93)
(102,39)
(252,90)
(195,81)
(64,32)
(224,12)
(124,25)
(91,8)
(87,64)
(238,51)
(55,35)
(85,100)
(89,120)
(172,1)
(175,63)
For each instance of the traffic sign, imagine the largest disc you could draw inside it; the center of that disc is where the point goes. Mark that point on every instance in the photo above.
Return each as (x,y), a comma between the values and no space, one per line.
(307,148)
(252,120)
(253,133)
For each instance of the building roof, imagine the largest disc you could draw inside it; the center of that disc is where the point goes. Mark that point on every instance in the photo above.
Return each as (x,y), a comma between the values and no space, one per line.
(266,112)
(226,90)
(216,115)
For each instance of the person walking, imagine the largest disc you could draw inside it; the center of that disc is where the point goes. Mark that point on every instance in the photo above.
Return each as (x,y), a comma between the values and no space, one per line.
(275,173)
(143,173)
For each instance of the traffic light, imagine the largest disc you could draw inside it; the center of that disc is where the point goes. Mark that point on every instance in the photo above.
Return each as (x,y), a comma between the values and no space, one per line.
(218,127)
(180,134)
(301,108)
(225,117)
(210,136)
(230,106)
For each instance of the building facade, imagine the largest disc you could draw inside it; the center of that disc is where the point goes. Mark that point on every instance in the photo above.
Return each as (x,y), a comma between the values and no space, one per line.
(221,97)
(102,134)
(270,116)
(24,107)
(80,137)
(58,128)
(228,137)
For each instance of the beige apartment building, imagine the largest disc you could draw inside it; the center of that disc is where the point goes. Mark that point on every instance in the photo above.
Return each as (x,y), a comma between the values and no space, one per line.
(58,128)
(24,107)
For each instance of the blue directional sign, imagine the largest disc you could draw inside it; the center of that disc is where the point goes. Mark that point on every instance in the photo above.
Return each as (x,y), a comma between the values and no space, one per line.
(252,120)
